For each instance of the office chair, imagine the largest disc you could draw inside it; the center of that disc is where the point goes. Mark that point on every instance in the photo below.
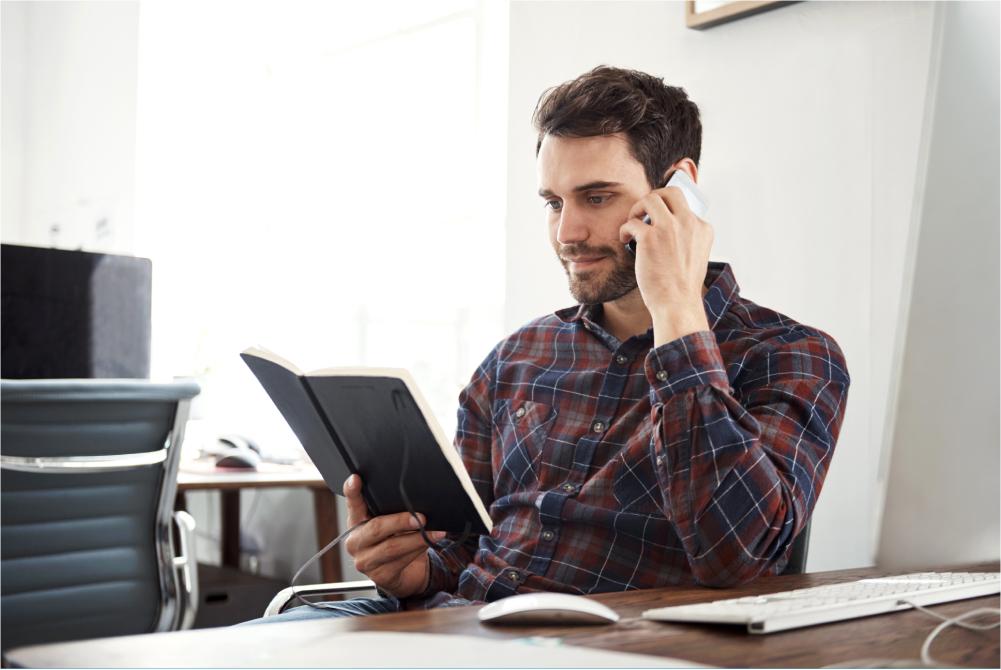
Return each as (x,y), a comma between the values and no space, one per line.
(797,558)
(795,566)
(89,472)
(284,598)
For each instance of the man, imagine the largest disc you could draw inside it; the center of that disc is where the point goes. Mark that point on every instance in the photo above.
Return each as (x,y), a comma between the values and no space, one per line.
(664,430)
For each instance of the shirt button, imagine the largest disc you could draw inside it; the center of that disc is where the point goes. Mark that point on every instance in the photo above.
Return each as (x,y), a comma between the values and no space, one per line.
(620,359)
(568,487)
(548,535)
(597,426)
(512,575)
(520,413)
(662,375)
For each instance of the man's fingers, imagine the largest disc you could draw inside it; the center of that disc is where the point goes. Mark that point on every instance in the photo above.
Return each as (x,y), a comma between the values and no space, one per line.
(662,204)
(633,229)
(392,524)
(381,528)
(357,509)
(652,204)
(391,570)
(399,548)
(675,199)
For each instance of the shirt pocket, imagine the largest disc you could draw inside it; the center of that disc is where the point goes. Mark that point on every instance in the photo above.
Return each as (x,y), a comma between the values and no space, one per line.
(635,487)
(521,428)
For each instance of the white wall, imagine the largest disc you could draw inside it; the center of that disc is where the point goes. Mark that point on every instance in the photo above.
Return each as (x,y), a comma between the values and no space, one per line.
(69,121)
(812,117)
(943,477)
(813,120)
(13,52)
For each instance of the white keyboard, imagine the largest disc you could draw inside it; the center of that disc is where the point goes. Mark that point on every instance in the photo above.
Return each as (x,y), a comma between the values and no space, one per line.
(773,612)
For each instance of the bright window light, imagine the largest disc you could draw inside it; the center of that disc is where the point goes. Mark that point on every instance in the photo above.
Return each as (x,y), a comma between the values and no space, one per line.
(318,180)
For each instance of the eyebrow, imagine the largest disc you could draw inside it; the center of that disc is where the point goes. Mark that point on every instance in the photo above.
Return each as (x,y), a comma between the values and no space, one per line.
(590,186)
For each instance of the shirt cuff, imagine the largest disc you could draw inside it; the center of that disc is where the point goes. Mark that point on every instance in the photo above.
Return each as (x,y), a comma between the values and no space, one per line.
(692,360)
(437,581)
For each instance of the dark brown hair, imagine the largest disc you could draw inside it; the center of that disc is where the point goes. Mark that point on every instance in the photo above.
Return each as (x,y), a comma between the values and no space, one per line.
(661,123)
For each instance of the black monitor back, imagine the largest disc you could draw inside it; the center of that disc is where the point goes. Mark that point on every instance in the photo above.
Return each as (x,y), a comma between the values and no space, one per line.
(73,314)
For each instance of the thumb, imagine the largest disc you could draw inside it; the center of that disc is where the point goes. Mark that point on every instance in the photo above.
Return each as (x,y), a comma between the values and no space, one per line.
(356,507)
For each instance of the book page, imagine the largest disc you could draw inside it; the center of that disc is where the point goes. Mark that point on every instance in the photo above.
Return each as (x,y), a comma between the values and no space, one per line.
(261,352)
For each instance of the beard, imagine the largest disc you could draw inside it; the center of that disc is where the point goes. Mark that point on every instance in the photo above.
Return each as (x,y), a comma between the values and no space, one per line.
(600,285)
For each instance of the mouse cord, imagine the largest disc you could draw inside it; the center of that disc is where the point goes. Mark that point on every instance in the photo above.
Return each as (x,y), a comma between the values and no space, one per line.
(333,543)
(960,621)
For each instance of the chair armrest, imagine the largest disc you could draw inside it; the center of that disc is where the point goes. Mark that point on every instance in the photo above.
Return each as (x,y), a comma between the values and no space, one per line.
(186,565)
(284,597)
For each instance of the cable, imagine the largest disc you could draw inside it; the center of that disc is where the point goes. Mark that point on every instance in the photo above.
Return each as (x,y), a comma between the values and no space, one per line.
(333,543)
(960,621)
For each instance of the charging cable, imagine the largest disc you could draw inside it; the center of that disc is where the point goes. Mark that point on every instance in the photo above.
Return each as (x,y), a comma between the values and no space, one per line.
(959,621)
(333,543)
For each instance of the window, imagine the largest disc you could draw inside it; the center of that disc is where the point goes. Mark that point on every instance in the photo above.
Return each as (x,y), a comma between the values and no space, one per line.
(324,183)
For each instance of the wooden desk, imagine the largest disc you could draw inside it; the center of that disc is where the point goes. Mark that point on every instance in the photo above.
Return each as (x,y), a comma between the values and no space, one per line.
(201,476)
(890,636)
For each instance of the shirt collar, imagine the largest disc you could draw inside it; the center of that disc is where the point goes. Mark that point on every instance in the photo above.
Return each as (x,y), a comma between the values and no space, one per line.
(722,290)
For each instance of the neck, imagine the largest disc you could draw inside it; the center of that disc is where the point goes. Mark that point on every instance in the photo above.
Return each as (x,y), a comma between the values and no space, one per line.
(628,316)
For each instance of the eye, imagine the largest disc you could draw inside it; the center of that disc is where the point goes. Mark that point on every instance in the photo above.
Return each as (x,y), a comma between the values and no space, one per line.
(598,198)
(554,205)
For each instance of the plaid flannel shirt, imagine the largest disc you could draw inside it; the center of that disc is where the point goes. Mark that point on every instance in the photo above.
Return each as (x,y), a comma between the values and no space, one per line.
(611,465)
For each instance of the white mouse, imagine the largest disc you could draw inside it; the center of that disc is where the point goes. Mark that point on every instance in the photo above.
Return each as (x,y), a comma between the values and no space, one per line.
(546,608)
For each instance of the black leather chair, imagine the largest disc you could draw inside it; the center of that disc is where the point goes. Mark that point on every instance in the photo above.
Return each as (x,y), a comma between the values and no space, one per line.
(88,472)
(797,559)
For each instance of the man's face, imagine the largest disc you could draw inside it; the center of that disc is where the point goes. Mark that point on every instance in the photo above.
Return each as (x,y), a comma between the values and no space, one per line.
(588,185)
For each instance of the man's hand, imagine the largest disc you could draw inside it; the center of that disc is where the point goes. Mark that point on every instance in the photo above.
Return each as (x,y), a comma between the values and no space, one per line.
(388,549)
(672,254)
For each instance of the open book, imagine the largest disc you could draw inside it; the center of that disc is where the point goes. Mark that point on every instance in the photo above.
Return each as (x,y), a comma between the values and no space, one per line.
(374,422)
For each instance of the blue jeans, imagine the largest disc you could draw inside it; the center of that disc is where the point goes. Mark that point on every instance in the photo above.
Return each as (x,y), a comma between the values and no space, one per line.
(344,608)
(353,607)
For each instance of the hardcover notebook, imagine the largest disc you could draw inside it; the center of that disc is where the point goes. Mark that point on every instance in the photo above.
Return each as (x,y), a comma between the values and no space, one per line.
(376,423)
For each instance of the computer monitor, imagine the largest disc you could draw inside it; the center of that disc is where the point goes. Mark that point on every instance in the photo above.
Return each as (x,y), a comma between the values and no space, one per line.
(943,488)
(73,314)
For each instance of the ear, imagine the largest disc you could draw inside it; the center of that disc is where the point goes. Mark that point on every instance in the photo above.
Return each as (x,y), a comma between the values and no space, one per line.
(686,164)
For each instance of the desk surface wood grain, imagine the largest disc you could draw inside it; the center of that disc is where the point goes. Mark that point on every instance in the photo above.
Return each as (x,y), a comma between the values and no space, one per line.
(891,636)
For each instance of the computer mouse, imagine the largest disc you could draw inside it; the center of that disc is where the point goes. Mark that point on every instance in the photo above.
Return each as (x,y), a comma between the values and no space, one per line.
(228,455)
(239,442)
(547,608)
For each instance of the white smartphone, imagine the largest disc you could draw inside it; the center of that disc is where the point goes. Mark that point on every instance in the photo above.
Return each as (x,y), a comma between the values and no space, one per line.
(695,198)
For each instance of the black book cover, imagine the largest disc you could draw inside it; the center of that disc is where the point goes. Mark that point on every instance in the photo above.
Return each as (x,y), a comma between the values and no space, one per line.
(369,422)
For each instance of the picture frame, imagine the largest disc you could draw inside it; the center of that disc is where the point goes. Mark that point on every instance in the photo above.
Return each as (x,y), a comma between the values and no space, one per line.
(702,14)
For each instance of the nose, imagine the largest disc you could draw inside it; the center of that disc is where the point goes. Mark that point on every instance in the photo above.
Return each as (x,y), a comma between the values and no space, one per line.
(572,227)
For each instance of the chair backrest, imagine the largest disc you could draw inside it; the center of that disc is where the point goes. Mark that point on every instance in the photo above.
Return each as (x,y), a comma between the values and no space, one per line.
(797,558)
(89,473)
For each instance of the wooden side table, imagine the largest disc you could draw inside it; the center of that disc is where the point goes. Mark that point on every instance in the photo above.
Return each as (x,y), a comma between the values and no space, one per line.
(203,475)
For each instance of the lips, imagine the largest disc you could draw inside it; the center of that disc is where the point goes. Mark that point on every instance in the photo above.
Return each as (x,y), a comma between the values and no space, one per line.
(585,261)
